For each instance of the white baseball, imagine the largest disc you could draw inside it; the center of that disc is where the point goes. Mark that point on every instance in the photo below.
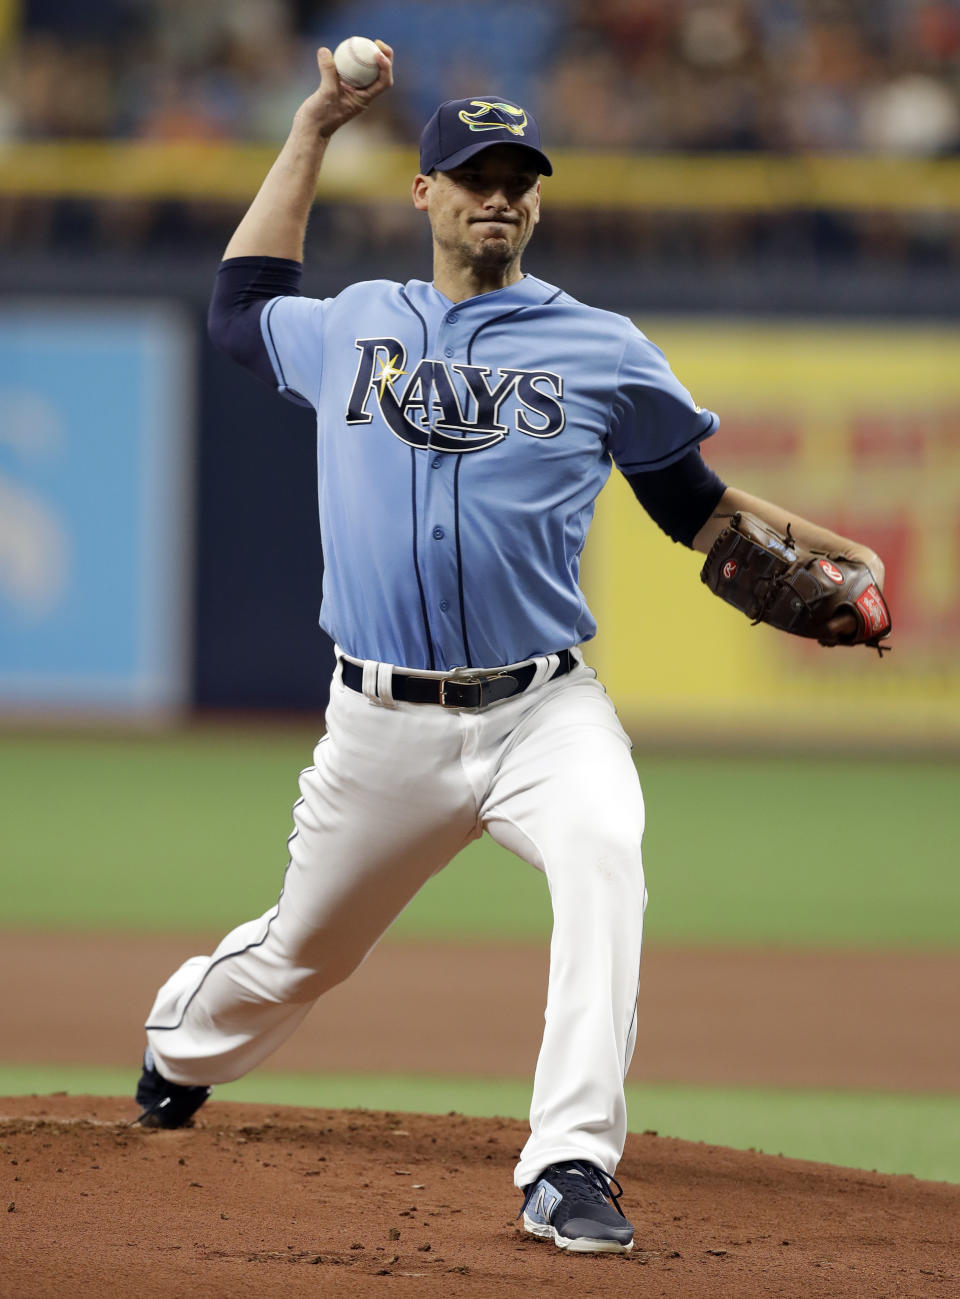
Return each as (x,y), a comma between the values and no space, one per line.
(356,60)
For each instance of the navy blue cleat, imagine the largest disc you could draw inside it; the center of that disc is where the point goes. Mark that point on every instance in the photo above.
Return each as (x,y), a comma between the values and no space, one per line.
(166,1104)
(575,1206)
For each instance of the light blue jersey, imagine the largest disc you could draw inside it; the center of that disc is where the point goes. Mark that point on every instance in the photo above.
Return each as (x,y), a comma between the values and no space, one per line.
(460,449)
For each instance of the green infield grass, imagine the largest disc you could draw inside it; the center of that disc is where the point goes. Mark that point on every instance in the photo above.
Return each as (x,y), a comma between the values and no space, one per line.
(891,1133)
(186,831)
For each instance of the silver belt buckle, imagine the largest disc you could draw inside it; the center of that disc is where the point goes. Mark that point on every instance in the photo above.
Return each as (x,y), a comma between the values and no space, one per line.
(456,681)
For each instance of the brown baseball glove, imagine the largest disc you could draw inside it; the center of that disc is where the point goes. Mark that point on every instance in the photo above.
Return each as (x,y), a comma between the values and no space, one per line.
(774,580)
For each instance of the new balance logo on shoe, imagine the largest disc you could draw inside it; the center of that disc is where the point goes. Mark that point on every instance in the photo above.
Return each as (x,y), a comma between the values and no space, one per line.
(574,1205)
(541,1207)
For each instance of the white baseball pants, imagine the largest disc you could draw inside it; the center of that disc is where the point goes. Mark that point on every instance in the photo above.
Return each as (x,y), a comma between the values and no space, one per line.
(396,790)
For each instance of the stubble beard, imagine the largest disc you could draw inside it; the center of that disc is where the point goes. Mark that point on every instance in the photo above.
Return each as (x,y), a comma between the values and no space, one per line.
(490,256)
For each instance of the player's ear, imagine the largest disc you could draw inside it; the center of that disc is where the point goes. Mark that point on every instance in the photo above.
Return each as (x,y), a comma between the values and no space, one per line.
(420,192)
(536,210)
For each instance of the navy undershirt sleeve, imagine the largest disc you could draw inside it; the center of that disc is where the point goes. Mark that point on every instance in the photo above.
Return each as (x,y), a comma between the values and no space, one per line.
(681,497)
(242,286)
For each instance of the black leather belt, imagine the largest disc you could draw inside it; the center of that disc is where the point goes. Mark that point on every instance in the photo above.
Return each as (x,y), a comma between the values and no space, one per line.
(458,692)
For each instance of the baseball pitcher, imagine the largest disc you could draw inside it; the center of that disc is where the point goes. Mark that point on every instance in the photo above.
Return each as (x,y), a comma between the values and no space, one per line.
(465,426)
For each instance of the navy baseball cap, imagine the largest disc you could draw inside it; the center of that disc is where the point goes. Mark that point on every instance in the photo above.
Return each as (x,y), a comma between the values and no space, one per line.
(462,127)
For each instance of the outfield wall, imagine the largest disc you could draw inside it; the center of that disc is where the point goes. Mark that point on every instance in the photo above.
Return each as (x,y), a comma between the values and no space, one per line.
(96,427)
(174,554)
(857,427)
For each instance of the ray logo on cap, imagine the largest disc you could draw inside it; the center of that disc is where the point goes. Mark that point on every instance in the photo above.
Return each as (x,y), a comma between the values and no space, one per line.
(462,128)
(494,117)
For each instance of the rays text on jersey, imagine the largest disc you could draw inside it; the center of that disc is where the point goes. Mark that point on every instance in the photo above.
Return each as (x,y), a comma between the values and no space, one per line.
(430,412)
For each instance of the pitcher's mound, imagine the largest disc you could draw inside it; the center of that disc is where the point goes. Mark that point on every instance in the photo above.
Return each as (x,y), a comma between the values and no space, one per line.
(265,1202)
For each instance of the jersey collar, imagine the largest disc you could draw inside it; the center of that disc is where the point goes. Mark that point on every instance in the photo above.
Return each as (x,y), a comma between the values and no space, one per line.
(528,292)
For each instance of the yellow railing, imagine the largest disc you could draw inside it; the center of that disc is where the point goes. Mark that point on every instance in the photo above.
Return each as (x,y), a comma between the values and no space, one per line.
(672,182)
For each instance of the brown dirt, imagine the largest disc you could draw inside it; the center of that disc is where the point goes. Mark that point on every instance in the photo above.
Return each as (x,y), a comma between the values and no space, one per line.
(826,1019)
(286,1202)
(262,1201)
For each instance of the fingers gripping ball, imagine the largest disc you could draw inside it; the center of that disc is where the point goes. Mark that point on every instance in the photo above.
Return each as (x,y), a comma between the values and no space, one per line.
(773,580)
(356,61)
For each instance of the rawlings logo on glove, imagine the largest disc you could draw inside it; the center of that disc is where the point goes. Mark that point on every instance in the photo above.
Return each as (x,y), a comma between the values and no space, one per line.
(775,581)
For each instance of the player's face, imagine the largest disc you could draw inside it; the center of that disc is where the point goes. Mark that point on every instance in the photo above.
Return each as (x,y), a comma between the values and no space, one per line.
(483,213)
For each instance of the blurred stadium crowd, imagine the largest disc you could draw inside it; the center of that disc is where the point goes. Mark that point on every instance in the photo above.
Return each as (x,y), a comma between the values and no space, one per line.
(792,79)
(779,75)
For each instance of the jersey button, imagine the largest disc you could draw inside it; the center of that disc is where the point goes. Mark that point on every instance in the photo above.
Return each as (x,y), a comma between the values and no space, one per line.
(438,462)
(452,318)
(448,351)
(444,606)
(438,534)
